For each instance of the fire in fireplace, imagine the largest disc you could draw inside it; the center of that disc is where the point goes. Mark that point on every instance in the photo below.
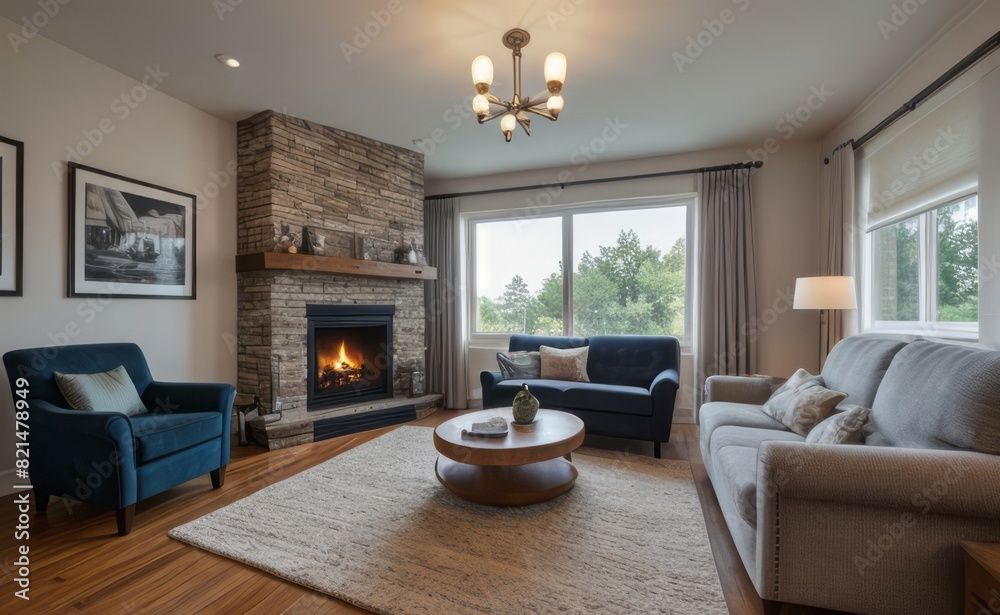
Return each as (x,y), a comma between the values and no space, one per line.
(349,354)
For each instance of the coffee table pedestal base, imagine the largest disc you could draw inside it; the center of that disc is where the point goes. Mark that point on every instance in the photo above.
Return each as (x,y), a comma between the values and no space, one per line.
(507,485)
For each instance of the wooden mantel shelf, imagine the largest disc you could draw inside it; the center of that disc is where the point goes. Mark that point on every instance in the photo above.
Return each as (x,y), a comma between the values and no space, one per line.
(331,264)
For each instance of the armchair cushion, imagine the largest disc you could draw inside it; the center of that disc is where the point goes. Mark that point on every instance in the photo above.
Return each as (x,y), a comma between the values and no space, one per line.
(110,391)
(157,435)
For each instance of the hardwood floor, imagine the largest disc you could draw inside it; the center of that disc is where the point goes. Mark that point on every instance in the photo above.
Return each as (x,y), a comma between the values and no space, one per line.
(78,563)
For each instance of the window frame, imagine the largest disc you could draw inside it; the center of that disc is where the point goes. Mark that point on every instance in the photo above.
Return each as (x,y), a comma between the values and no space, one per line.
(566,213)
(928,282)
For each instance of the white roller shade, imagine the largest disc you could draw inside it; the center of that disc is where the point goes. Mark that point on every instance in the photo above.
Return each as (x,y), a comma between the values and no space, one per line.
(929,157)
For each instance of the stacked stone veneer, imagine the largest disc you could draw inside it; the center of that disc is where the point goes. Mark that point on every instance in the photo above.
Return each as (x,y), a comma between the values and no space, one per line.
(298,173)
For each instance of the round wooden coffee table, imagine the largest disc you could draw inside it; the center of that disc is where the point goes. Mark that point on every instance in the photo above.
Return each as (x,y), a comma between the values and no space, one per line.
(531,464)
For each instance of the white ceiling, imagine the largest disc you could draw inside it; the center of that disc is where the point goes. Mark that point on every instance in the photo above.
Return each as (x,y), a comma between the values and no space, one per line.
(409,79)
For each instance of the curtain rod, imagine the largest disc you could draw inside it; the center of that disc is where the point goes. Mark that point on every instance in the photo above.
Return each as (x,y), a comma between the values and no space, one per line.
(756,164)
(965,64)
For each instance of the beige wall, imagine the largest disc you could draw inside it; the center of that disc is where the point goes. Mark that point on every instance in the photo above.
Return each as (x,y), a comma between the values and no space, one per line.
(787,227)
(935,60)
(51,95)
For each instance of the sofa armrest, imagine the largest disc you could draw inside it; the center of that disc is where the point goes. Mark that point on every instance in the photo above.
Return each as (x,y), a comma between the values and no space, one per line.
(81,454)
(741,389)
(488,380)
(666,383)
(170,397)
(955,483)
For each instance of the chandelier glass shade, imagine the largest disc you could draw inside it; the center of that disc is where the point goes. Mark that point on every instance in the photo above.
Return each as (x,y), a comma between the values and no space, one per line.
(515,112)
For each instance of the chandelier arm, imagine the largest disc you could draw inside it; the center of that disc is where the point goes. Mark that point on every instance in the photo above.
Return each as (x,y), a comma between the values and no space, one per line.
(542,112)
(525,124)
(492,116)
(496,101)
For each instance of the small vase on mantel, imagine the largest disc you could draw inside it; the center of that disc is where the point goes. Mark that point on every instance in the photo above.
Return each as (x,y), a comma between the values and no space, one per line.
(525,406)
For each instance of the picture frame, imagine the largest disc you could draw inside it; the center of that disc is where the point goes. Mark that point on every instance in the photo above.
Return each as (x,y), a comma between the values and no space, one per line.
(11,218)
(129,239)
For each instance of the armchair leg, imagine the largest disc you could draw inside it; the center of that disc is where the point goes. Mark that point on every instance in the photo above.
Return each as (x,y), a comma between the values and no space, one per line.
(218,477)
(656,450)
(41,501)
(124,518)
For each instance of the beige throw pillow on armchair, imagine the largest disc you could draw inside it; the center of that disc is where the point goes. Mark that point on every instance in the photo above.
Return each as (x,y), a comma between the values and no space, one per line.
(569,364)
(803,402)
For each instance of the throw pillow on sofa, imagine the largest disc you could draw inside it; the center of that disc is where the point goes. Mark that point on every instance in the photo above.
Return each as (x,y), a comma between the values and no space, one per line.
(803,402)
(565,364)
(523,364)
(845,427)
(111,391)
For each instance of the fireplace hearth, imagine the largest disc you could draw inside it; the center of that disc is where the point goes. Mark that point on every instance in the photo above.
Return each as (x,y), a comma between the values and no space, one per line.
(349,354)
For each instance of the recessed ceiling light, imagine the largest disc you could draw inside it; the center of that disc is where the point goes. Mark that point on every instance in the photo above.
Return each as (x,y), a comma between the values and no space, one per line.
(229,61)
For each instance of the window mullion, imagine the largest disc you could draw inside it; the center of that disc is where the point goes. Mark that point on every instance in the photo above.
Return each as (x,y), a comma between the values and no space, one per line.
(932,267)
(924,269)
(567,273)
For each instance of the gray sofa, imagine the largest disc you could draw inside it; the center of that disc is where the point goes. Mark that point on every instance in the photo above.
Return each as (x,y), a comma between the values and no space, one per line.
(871,528)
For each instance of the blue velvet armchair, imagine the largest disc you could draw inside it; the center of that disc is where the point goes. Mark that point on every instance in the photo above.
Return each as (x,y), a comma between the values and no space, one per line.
(108,458)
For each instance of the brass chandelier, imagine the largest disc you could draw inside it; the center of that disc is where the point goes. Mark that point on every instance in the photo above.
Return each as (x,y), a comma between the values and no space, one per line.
(516,111)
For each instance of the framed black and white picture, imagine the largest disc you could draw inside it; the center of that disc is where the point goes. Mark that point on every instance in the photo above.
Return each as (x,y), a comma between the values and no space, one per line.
(129,238)
(11,217)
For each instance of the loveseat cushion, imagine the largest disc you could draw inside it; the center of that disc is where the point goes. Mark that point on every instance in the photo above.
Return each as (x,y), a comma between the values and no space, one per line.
(609,398)
(631,360)
(157,435)
(939,396)
(856,366)
(548,392)
(734,456)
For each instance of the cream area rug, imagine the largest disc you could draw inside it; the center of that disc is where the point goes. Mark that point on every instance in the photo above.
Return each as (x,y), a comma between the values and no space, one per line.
(374,527)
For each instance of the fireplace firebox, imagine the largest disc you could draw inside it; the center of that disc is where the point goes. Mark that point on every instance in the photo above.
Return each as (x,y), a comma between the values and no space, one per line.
(349,354)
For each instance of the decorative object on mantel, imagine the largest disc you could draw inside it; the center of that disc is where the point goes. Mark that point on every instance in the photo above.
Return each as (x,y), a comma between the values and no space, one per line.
(11,217)
(313,242)
(525,406)
(375,249)
(416,384)
(516,111)
(402,254)
(285,240)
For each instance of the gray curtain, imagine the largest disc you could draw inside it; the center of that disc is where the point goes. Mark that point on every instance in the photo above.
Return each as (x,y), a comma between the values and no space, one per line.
(447,371)
(727,296)
(843,238)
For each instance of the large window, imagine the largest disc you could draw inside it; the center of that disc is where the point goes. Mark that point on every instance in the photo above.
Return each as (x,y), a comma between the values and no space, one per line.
(925,272)
(629,272)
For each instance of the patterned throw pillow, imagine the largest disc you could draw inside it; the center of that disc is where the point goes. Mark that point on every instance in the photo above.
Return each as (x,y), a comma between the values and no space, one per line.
(522,364)
(845,427)
(111,391)
(802,403)
(569,364)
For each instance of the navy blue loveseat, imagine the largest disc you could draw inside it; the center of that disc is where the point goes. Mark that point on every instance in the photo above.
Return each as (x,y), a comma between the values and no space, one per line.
(633,384)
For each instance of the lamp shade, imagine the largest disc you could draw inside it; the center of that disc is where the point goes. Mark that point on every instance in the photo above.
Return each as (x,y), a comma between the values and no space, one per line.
(830,292)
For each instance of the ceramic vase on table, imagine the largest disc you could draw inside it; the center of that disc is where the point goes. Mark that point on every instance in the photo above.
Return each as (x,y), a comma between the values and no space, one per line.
(525,406)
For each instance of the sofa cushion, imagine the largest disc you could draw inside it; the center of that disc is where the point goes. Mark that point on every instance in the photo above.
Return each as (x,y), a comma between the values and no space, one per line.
(802,407)
(547,392)
(564,363)
(939,396)
(734,456)
(631,360)
(520,364)
(845,427)
(717,414)
(158,434)
(856,366)
(609,398)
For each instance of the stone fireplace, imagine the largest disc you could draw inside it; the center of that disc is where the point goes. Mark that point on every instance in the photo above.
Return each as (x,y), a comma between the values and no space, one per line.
(294,174)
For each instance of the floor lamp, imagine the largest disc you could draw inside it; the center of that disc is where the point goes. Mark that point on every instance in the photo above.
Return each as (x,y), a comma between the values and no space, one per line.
(825,293)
